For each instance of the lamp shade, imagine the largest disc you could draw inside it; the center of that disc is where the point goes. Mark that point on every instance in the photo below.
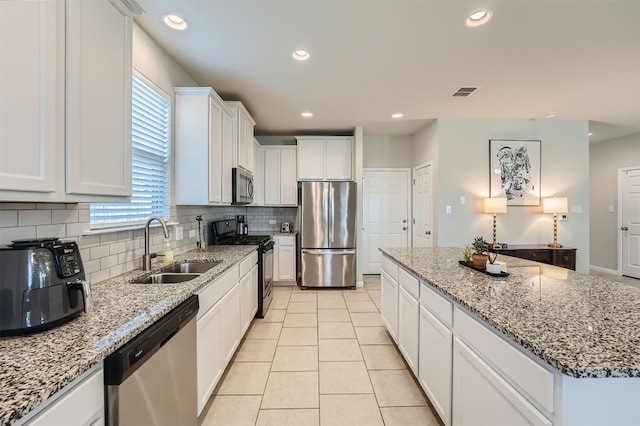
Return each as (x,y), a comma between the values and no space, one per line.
(495,205)
(555,205)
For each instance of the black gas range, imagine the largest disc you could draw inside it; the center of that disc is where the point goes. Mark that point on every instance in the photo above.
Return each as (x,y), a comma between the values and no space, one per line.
(223,232)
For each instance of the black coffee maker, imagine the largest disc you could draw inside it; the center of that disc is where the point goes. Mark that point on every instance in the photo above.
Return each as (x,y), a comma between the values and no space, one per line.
(241,226)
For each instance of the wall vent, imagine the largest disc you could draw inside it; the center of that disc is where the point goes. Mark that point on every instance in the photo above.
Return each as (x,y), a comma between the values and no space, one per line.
(464,91)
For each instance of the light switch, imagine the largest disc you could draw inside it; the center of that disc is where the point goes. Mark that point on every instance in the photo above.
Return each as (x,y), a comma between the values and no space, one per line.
(448,209)
(179,233)
(576,209)
(272,221)
(610,209)
(462,199)
(192,233)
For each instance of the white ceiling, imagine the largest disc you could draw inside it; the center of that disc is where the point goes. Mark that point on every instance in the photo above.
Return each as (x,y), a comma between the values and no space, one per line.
(369,59)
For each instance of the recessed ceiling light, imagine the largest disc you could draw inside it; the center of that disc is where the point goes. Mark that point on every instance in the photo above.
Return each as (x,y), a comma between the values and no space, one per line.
(551,114)
(300,55)
(176,22)
(397,115)
(479,17)
(307,114)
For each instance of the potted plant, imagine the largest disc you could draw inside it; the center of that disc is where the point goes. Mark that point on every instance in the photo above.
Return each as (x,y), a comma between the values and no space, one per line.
(492,267)
(479,255)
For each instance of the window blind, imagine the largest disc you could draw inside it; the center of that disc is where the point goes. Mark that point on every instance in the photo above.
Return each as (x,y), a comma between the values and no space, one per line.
(150,133)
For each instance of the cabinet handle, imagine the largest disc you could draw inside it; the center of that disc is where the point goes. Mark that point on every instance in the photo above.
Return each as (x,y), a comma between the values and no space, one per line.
(404,228)
(624,228)
(427,232)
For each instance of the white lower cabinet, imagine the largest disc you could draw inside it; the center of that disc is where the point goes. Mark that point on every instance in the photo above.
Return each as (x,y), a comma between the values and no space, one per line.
(408,328)
(227,307)
(436,350)
(482,397)
(285,258)
(389,296)
(81,403)
(209,357)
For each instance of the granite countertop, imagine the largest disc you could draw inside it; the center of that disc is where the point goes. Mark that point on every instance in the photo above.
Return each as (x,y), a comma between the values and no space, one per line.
(34,367)
(581,325)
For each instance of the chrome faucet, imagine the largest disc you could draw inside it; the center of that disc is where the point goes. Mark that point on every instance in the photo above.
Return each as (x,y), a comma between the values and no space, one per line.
(147,256)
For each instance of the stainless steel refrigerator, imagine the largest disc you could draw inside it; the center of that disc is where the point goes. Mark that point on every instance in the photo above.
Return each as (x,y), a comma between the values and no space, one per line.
(328,234)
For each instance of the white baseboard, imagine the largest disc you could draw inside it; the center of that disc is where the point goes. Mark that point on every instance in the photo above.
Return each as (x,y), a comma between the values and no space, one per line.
(604,270)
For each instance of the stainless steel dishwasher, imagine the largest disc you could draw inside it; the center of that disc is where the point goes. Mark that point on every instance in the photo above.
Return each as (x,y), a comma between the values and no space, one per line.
(151,380)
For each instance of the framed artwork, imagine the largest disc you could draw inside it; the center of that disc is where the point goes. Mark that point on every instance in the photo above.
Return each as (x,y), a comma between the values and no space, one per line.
(515,171)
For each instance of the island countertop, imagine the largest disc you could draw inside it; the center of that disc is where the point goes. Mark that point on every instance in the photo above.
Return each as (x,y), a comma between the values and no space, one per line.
(35,366)
(581,325)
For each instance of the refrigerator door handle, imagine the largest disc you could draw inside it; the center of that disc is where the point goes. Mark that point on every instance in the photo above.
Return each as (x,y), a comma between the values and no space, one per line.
(332,214)
(347,251)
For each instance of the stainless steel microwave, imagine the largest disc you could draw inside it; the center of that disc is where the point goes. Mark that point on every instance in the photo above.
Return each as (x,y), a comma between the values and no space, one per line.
(242,182)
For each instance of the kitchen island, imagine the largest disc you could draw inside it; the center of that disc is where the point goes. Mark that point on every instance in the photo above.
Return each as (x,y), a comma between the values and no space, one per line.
(561,347)
(34,367)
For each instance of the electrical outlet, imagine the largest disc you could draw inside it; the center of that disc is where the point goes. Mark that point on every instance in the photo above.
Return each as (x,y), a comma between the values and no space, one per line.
(192,233)
(611,209)
(179,233)
(563,216)
(448,209)
(272,221)
(463,199)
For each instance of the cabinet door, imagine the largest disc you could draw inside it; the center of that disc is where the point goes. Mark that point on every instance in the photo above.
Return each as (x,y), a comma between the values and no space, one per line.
(254,294)
(288,182)
(258,176)
(476,386)
(98,98)
(408,328)
(389,298)
(338,159)
(436,351)
(227,155)
(215,151)
(276,258)
(230,320)
(209,356)
(271,177)
(310,159)
(286,259)
(30,74)
(241,152)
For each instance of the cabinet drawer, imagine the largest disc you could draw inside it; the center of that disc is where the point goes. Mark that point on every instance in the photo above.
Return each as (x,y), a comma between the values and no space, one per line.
(565,258)
(537,255)
(212,293)
(390,267)
(247,263)
(515,366)
(438,305)
(409,283)
(286,240)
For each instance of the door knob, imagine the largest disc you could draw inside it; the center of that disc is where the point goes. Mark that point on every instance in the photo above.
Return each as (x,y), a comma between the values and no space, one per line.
(624,228)
(404,228)
(427,232)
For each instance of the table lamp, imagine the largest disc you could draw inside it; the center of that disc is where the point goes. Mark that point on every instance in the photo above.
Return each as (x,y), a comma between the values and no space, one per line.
(555,205)
(495,205)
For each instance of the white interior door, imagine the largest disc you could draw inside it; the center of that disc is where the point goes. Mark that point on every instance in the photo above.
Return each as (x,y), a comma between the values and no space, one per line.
(422,206)
(630,222)
(385,202)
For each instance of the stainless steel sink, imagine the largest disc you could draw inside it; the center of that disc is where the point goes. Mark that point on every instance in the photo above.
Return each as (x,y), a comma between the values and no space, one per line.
(190,267)
(165,278)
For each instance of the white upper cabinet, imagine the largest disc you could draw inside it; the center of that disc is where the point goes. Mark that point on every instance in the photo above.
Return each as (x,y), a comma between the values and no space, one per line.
(242,136)
(280,184)
(30,75)
(99,97)
(325,158)
(202,153)
(65,109)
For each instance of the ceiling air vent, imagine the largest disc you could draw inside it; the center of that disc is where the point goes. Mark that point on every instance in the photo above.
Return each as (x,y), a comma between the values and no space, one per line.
(463,91)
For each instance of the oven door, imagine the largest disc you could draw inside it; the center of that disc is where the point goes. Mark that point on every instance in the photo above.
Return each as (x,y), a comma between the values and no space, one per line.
(265,275)
(242,182)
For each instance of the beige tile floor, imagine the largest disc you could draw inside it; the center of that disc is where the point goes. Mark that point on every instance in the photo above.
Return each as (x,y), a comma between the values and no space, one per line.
(319,357)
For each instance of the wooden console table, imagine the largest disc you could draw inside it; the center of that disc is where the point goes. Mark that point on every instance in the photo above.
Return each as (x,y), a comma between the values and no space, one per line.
(564,257)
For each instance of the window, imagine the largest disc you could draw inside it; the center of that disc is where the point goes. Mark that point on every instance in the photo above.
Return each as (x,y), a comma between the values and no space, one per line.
(150,134)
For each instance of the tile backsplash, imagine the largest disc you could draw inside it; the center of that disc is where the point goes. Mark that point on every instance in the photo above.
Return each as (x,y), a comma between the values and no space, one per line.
(108,254)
